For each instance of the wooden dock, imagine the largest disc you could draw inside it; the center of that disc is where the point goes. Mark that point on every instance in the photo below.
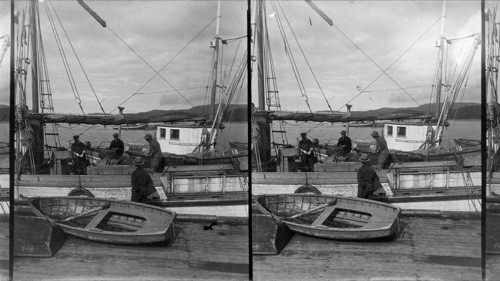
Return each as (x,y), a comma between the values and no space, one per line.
(428,248)
(221,253)
(492,267)
(4,248)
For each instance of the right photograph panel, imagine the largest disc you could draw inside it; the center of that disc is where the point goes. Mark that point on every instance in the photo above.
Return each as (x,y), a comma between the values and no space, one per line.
(492,235)
(366,139)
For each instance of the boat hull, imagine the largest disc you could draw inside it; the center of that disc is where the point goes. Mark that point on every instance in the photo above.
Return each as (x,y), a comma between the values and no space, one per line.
(347,219)
(115,222)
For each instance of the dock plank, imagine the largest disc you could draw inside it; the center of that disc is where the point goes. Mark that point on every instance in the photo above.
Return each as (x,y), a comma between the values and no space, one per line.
(226,257)
(426,248)
(4,248)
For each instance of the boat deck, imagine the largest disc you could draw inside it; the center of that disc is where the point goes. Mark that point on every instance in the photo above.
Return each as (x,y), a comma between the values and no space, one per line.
(4,247)
(426,249)
(221,253)
(492,267)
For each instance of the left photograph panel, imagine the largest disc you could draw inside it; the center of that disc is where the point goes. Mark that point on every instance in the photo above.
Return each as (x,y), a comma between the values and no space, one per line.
(5,45)
(131,140)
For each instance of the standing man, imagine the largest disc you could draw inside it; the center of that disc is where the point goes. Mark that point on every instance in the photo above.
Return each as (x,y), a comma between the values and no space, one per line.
(381,150)
(154,153)
(142,184)
(79,158)
(368,180)
(117,146)
(306,152)
(345,143)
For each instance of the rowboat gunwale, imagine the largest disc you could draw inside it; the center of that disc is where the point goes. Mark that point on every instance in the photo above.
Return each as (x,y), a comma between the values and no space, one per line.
(137,237)
(365,232)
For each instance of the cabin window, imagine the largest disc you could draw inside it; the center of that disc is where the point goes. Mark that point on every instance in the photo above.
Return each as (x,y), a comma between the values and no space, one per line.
(401,131)
(163,133)
(174,134)
(389,131)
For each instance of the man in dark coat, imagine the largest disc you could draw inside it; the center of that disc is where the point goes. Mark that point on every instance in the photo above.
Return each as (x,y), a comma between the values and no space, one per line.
(155,154)
(142,184)
(368,180)
(117,146)
(79,157)
(345,143)
(306,153)
(381,150)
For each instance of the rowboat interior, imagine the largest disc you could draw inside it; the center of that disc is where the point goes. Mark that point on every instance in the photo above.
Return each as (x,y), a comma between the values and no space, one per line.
(100,215)
(334,212)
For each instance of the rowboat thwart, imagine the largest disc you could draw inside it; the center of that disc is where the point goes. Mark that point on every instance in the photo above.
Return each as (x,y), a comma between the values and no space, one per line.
(332,217)
(105,220)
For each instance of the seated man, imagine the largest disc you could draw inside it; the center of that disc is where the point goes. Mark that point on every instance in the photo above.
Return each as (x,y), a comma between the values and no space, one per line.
(117,146)
(345,143)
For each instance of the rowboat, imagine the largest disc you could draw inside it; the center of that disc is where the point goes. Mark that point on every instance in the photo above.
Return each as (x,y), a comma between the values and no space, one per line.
(105,220)
(332,217)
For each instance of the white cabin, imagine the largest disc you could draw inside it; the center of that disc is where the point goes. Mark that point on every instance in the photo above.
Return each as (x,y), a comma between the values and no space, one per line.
(181,139)
(407,136)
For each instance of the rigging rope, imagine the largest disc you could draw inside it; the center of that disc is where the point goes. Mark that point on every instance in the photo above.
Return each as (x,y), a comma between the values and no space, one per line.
(383,72)
(157,73)
(167,91)
(307,61)
(78,59)
(394,89)
(62,53)
(291,58)
(152,68)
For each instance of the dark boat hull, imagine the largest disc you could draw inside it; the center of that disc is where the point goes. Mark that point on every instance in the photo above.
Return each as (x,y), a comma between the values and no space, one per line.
(116,222)
(348,219)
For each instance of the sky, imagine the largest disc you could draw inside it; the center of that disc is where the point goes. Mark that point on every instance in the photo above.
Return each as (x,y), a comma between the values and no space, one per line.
(383,30)
(157,31)
(4,67)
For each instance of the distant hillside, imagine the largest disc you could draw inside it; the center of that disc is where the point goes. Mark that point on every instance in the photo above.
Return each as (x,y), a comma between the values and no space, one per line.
(236,113)
(465,110)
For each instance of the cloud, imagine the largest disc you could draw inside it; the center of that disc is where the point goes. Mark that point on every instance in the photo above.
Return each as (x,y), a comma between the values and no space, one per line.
(155,32)
(367,37)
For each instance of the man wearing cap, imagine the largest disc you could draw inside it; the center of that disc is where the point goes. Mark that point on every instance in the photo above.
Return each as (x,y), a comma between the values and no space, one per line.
(381,150)
(117,146)
(345,143)
(155,154)
(368,180)
(79,158)
(142,184)
(306,152)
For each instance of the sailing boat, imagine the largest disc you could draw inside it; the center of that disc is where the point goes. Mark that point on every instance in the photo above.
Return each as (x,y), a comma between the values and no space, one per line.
(404,186)
(178,135)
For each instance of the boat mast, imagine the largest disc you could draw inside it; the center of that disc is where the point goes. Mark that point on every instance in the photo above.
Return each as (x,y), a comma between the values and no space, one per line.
(37,143)
(440,64)
(215,65)
(260,59)
(263,145)
(34,55)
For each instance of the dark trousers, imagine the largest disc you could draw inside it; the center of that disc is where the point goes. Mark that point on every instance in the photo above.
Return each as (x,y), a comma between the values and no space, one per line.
(79,165)
(364,193)
(307,162)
